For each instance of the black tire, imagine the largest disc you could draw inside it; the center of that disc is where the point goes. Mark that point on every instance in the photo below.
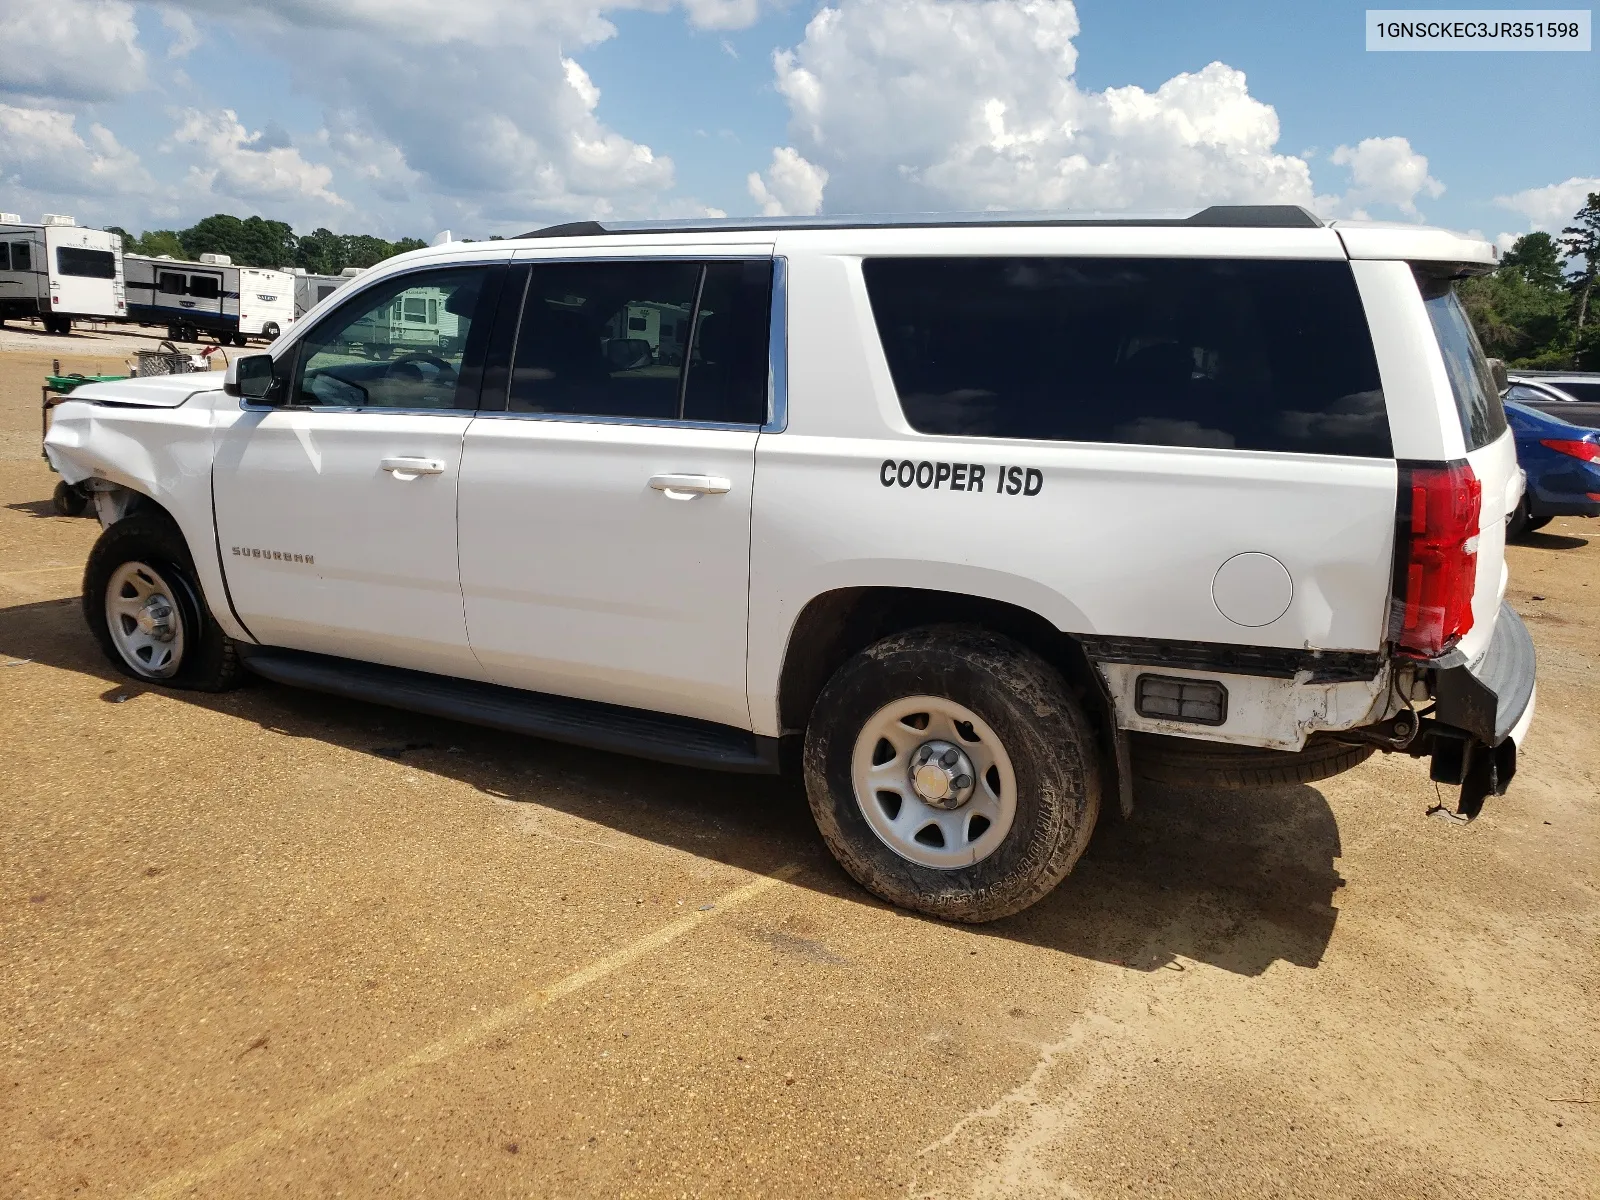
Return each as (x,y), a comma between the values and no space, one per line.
(1517,520)
(210,661)
(269,331)
(240,340)
(1536,523)
(1045,735)
(69,500)
(1191,763)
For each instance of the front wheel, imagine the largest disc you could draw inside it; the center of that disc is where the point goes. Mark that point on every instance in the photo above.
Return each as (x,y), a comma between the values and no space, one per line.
(147,612)
(950,772)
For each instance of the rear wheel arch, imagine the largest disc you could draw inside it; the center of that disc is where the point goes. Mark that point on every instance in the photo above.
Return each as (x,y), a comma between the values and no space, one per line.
(835,626)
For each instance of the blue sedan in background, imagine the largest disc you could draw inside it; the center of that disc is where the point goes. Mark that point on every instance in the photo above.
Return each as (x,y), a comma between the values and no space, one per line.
(1563,465)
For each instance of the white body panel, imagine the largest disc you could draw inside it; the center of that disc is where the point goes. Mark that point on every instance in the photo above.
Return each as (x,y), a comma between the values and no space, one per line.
(157,442)
(583,580)
(381,581)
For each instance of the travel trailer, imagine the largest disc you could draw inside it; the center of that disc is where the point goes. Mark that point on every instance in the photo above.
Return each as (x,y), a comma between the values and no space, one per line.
(59,272)
(420,320)
(209,296)
(312,290)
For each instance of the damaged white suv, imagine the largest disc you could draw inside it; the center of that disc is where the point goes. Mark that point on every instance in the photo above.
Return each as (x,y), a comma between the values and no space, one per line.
(972,520)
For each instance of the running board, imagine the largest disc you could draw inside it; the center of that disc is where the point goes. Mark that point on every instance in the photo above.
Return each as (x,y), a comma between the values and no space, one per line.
(680,740)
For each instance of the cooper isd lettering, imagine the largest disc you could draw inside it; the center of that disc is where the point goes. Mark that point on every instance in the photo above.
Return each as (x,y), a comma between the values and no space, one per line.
(961,477)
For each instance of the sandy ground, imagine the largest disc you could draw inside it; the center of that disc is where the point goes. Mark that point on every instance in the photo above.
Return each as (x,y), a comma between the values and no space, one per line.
(108,340)
(271,944)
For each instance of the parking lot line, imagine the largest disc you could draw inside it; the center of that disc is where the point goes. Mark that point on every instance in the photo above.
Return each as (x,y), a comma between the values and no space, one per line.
(455,1041)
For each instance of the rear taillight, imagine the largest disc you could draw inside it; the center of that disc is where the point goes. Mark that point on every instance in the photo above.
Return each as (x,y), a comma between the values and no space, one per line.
(1588,451)
(1436,557)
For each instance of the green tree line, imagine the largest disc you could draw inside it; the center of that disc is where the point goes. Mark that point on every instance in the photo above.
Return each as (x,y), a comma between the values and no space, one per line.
(1538,310)
(258,242)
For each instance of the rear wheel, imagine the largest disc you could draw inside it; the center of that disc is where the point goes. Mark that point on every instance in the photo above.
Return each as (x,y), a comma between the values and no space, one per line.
(146,610)
(951,773)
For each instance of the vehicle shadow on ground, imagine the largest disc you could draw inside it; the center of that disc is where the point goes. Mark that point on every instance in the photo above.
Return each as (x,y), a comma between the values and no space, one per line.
(1238,880)
(1551,541)
(35,508)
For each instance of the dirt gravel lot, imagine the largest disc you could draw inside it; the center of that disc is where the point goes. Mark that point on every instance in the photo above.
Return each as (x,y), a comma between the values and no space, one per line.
(268,943)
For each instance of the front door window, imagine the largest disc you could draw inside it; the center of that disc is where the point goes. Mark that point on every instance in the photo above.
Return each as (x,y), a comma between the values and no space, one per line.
(399,345)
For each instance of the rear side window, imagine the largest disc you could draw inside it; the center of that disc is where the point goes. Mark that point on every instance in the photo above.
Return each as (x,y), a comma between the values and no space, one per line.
(87,264)
(655,341)
(206,287)
(1579,390)
(1238,354)
(21,256)
(5,256)
(1483,419)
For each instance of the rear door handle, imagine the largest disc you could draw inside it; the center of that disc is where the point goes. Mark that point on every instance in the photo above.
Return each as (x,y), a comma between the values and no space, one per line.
(687,487)
(410,468)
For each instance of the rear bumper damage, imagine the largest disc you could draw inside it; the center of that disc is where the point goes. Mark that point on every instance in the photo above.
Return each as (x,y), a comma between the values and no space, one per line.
(1481,711)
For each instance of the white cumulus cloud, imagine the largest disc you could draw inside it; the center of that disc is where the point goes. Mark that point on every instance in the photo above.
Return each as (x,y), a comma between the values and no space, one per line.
(1552,206)
(972,104)
(792,187)
(1383,170)
(42,152)
(70,50)
(486,118)
(236,163)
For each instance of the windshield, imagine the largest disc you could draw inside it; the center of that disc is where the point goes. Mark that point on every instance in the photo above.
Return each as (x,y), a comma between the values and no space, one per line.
(1483,419)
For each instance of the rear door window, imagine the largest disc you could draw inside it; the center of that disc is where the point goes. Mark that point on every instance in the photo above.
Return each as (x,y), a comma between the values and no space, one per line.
(87,264)
(1233,354)
(1483,419)
(648,341)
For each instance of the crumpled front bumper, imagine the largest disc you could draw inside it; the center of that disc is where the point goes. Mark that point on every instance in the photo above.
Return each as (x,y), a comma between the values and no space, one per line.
(1482,711)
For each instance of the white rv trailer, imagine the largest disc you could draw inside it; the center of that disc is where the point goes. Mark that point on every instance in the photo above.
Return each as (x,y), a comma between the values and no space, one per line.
(416,322)
(212,295)
(57,271)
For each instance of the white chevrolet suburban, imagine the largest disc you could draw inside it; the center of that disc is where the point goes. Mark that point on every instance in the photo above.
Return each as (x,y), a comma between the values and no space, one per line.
(972,521)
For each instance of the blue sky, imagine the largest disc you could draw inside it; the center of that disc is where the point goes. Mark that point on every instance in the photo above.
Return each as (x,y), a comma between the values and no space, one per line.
(397,118)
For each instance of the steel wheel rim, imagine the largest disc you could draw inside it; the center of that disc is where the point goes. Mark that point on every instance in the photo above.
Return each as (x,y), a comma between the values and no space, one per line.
(145,621)
(902,818)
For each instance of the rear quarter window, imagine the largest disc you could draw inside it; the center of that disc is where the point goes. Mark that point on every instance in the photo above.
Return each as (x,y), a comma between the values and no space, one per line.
(1236,354)
(1483,418)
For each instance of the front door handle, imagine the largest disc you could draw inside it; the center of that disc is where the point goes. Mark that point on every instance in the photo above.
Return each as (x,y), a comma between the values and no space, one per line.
(687,487)
(410,468)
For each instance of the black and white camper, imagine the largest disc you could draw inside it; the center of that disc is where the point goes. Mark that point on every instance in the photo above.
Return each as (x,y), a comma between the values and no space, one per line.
(233,304)
(59,272)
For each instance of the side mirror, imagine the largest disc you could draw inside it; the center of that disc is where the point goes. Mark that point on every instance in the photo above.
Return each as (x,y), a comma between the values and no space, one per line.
(251,378)
(1497,368)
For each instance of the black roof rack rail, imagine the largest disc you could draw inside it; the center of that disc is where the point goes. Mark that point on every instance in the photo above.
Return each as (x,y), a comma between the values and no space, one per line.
(1218,216)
